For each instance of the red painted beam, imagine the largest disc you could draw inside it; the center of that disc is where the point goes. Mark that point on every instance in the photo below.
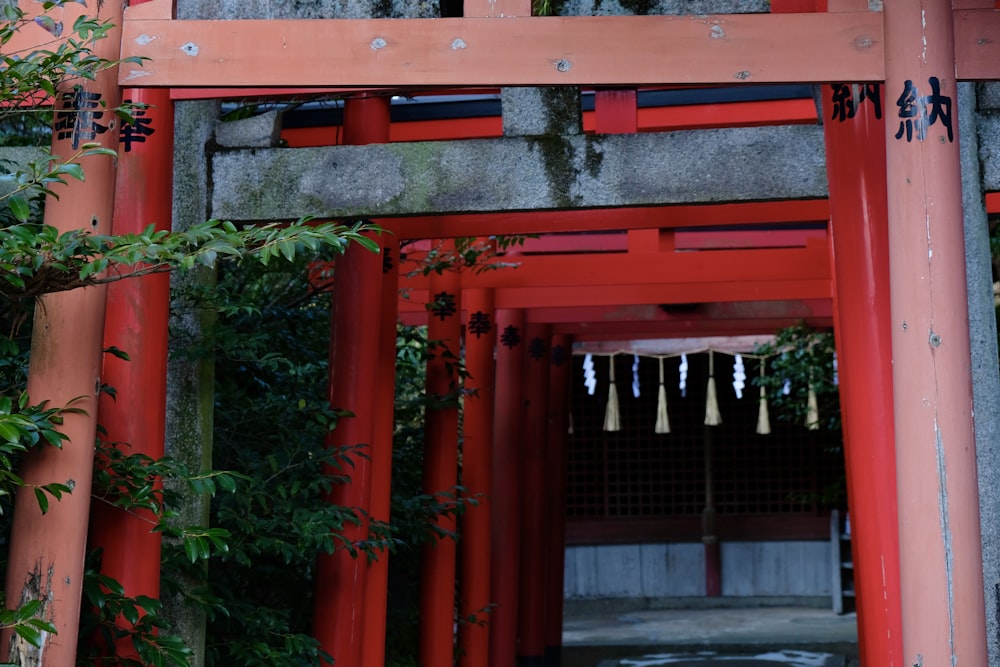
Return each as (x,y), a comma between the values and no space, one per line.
(656,315)
(649,321)
(676,293)
(483,127)
(591,331)
(784,212)
(649,119)
(719,239)
(602,270)
(668,293)
(578,50)
(751,310)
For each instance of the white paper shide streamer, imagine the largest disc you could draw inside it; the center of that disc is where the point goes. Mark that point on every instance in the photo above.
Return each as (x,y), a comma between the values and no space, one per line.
(589,376)
(684,376)
(712,415)
(635,375)
(763,418)
(662,418)
(612,419)
(739,376)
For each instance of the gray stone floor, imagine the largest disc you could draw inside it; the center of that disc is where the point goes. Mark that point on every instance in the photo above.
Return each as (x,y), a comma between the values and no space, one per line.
(759,636)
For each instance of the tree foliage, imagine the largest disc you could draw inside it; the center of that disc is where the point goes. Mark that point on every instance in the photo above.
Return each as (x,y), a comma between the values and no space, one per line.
(37,259)
(270,515)
(801,358)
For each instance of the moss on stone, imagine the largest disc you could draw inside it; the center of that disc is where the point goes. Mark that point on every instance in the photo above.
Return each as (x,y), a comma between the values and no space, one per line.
(593,156)
(558,160)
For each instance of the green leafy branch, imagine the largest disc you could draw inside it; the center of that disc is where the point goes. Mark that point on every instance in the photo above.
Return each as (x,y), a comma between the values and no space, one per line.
(37,259)
(143,626)
(28,186)
(23,426)
(27,75)
(133,482)
(477,254)
(25,623)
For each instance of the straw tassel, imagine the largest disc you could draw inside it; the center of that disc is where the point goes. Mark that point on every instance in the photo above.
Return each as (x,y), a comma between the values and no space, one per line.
(612,420)
(712,415)
(763,418)
(812,410)
(662,418)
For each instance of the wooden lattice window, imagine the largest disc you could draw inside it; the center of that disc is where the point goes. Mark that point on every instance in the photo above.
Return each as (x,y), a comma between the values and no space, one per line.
(635,473)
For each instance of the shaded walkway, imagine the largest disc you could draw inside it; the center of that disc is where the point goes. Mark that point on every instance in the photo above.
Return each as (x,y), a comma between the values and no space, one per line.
(592,640)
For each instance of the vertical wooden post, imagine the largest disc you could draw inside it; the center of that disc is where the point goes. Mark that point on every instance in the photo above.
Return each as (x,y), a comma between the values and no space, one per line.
(854,129)
(533,453)
(477,478)
(709,532)
(506,529)
(47,553)
(437,578)
(377,586)
(940,552)
(616,111)
(555,498)
(354,349)
(136,322)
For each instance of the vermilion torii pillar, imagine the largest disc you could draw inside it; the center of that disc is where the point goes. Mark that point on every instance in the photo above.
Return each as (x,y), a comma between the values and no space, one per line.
(532,596)
(506,503)
(437,577)
(47,554)
(854,127)
(354,349)
(477,478)
(136,322)
(377,586)
(940,552)
(555,498)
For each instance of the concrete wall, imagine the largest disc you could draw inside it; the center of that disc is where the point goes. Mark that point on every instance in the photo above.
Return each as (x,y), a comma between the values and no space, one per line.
(749,569)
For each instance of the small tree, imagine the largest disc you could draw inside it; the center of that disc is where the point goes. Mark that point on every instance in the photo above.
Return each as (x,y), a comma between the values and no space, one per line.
(37,260)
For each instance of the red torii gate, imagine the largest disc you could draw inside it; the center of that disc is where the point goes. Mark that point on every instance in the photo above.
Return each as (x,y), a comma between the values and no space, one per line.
(909,45)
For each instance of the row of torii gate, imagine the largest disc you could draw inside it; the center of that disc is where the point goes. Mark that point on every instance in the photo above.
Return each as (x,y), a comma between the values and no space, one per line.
(896,206)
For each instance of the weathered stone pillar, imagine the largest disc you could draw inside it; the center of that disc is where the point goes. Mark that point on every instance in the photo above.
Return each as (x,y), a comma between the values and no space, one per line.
(190,381)
(983,342)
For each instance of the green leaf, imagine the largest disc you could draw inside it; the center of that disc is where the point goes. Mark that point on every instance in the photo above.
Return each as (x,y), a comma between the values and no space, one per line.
(50,25)
(114,351)
(130,613)
(9,432)
(29,634)
(43,500)
(191,549)
(367,243)
(19,207)
(71,169)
